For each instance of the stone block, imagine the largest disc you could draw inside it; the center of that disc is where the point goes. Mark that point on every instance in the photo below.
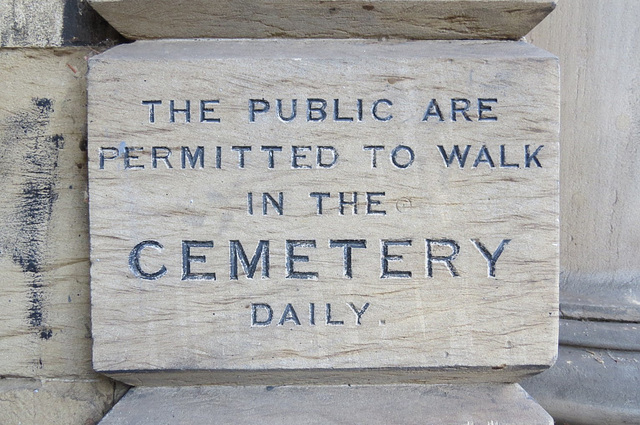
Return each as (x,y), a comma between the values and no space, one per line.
(504,404)
(44,246)
(600,232)
(52,23)
(275,211)
(414,19)
(596,379)
(56,402)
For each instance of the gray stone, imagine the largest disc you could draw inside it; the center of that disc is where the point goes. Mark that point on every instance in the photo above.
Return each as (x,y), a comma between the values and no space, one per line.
(413,19)
(605,335)
(504,404)
(600,191)
(590,386)
(597,375)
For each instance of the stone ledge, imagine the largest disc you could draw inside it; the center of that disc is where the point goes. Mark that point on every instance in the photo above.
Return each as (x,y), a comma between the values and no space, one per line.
(590,386)
(413,19)
(376,405)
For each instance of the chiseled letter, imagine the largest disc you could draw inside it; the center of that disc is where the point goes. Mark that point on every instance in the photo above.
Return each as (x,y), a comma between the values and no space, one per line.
(187,259)
(134,261)
(292,258)
(237,251)
(347,244)
(491,258)
(446,260)
(385,257)
(254,314)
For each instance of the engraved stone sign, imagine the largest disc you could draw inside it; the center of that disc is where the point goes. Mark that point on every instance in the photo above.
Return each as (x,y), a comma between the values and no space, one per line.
(328,210)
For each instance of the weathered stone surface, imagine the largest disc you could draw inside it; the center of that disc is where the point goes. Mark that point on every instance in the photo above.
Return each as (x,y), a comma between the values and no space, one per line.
(58,402)
(596,379)
(417,19)
(590,386)
(158,307)
(374,405)
(44,278)
(600,231)
(50,23)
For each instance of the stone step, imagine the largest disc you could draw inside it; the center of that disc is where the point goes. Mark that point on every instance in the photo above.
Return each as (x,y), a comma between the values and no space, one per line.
(504,404)
(414,19)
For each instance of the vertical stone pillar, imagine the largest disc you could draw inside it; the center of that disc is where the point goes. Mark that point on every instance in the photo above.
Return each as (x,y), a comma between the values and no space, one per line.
(45,341)
(596,377)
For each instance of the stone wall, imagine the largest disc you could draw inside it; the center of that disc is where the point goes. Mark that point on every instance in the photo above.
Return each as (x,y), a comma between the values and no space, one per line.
(45,327)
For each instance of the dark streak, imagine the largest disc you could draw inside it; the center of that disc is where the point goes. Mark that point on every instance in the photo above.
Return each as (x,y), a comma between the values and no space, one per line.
(82,25)
(28,148)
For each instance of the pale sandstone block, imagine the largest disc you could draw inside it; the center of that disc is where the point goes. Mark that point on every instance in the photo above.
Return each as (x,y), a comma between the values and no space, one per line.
(50,23)
(38,402)
(391,309)
(416,19)
(375,405)
(44,278)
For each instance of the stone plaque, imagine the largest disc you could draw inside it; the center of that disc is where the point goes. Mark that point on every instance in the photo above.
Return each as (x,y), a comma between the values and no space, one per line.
(281,211)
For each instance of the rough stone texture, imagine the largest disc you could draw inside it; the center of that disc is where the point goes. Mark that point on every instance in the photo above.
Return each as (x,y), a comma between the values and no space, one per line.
(416,328)
(56,402)
(417,19)
(44,285)
(50,23)
(44,280)
(373,405)
(600,192)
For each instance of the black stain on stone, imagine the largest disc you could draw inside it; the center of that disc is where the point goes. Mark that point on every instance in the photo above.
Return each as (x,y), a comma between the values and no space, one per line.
(82,25)
(44,105)
(27,149)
